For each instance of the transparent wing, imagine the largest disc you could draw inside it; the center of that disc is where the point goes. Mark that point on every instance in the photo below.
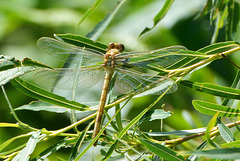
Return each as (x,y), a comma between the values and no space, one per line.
(68,78)
(143,83)
(169,57)
(69,53)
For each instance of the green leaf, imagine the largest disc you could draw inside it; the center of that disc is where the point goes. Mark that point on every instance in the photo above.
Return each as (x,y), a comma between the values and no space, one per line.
(8,62)
(155,115)
(9,141)
(218,47)
(42,106)
(229,153)
(38,93)
(209,88)
(210,126)
(225,132)
(30,62)
(52,149)
(79,142)
(181,132)
(102,25)
(25,153)
(11,68)
(91,10)
(161,150)
(230,144)
(212,108)
(82,41)
(9,74)
(160,15)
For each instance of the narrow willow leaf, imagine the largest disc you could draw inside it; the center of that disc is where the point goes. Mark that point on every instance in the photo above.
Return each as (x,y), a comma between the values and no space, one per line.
(25,153)
(132,123)
(79,142)
(160,15)
(8,75)
(181,132)
(161,150)
(200,147)
(46,96)
(90,11)
(218,47)
(216,90)
(52,149)
(210,125)
(225,132)
(232,144)
(30,62)
(230,153)
(42,106)
(212,108)
(82,41)
(155,115)
(8,62)
(9,141)
(102,25)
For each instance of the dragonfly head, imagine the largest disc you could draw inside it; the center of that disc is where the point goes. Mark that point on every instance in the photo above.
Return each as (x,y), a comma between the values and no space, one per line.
(117,46)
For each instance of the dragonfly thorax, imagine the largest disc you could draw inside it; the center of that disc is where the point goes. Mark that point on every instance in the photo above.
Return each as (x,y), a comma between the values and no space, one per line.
(109,57)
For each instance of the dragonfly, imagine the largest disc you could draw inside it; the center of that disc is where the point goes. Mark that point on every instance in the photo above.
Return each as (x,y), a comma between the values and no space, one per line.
(90,66)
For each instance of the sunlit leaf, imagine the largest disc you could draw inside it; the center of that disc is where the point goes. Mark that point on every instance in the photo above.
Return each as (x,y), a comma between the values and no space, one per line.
(210,126)
(232,144)
(159,16)
(212,108)
(155,115)
(213,89)
(82,41)
(102,25)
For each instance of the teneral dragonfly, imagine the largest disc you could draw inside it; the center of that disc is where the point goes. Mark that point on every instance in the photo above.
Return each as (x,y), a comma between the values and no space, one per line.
(91,65)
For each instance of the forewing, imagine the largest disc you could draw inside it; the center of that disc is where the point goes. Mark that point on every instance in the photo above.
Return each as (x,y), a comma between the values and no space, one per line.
(165,58)
(142,83)
(68,78)
(69,53)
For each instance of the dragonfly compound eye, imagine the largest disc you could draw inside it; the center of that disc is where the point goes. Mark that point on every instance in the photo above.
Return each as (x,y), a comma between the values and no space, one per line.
(121,47)
(111,45)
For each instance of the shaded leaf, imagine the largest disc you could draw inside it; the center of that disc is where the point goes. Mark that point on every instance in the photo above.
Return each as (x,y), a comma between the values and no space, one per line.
(9,74)
(212,108)
(42,106)
(38,93)
(161,150)
(225,132)
(230,153)
(25,153)
(52,149)
(8,62)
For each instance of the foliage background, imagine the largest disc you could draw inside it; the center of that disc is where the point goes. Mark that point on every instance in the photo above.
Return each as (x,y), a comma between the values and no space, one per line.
(23,22)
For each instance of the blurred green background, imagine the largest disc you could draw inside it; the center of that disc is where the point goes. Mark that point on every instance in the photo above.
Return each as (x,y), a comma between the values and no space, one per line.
(23,22)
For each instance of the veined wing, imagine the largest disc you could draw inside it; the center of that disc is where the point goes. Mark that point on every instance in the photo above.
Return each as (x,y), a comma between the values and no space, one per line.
(65,51)
(143,83)
(69,78)
(167,58)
